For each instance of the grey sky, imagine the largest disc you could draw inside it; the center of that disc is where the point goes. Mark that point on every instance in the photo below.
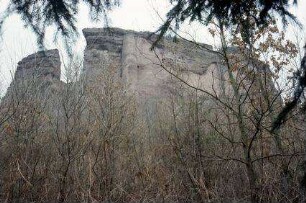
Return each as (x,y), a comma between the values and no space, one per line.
(18,42)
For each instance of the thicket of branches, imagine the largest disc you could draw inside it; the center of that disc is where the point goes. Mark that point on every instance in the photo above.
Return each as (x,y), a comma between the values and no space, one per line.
(88,141)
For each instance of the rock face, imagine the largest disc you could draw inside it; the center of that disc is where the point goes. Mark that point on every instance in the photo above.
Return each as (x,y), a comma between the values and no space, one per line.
(46,65)
(143,70)
(145,73)
(148,74)
(152,77)
(37,72)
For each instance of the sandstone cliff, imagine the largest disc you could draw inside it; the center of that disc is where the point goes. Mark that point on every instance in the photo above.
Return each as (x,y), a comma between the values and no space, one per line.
(40,71)
(147,74)
(40,65)
(140,67)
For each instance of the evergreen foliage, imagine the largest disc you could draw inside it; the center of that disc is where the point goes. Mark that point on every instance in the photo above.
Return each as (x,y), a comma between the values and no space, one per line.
(228,12)
(40,14)
(243,14)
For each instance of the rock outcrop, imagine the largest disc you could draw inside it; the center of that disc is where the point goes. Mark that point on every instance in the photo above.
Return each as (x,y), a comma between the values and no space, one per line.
(143,69)
(44,64)
(37,72)
(148,74)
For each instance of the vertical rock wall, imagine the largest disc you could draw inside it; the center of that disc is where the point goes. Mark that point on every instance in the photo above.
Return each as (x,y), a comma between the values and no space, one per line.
(104,48)
(140,67)
(144,72)
(45,65)
(40,71)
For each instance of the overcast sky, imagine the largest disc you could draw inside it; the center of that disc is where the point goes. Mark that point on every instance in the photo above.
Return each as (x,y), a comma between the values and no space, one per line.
(142,15)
